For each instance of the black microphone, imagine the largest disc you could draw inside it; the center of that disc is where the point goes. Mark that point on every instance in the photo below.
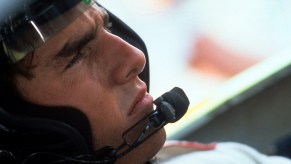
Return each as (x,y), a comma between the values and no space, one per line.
(171,106)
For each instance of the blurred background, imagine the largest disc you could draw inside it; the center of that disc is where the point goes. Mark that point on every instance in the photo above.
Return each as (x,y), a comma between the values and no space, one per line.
(216,51)
(198,44)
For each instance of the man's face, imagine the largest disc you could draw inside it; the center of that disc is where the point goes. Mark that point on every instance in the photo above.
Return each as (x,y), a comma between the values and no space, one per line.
(88,68)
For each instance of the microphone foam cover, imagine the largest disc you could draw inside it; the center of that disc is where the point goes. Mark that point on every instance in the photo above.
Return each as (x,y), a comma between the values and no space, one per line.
(178,99)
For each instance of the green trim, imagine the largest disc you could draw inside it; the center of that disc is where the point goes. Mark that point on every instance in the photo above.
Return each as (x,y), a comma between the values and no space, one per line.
(87,2)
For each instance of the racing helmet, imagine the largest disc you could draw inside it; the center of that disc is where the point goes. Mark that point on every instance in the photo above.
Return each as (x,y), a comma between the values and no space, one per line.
(28,130)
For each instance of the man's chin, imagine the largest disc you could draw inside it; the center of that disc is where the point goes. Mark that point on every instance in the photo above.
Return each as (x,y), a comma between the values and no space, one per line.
(147,150)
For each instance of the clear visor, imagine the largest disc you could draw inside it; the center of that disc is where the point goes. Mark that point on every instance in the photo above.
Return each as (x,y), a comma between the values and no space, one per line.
(21,36)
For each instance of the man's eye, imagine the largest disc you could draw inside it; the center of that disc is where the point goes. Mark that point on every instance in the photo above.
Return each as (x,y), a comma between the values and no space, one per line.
(77,57)
(73,61)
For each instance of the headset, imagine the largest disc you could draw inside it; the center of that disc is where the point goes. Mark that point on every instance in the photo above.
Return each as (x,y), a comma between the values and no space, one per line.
(31,133)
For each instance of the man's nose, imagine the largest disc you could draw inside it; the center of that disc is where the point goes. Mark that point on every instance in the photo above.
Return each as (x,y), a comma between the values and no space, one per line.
(129,61)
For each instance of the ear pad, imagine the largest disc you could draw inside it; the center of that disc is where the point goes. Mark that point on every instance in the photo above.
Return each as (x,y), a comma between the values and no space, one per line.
(25,135)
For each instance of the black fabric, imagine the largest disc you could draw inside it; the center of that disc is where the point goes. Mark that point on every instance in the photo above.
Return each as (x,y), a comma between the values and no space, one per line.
(32,128)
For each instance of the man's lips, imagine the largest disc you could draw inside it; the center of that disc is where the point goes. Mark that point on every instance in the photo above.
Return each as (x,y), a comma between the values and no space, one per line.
(143,103)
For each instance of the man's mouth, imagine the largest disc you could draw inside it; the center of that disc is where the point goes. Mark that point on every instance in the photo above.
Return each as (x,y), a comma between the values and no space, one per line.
(144,101)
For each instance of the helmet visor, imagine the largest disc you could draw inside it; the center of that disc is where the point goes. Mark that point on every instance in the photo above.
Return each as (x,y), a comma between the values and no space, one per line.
(36,23)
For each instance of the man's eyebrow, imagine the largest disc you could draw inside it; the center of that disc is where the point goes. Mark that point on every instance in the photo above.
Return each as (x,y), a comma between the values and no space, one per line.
(72,46)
